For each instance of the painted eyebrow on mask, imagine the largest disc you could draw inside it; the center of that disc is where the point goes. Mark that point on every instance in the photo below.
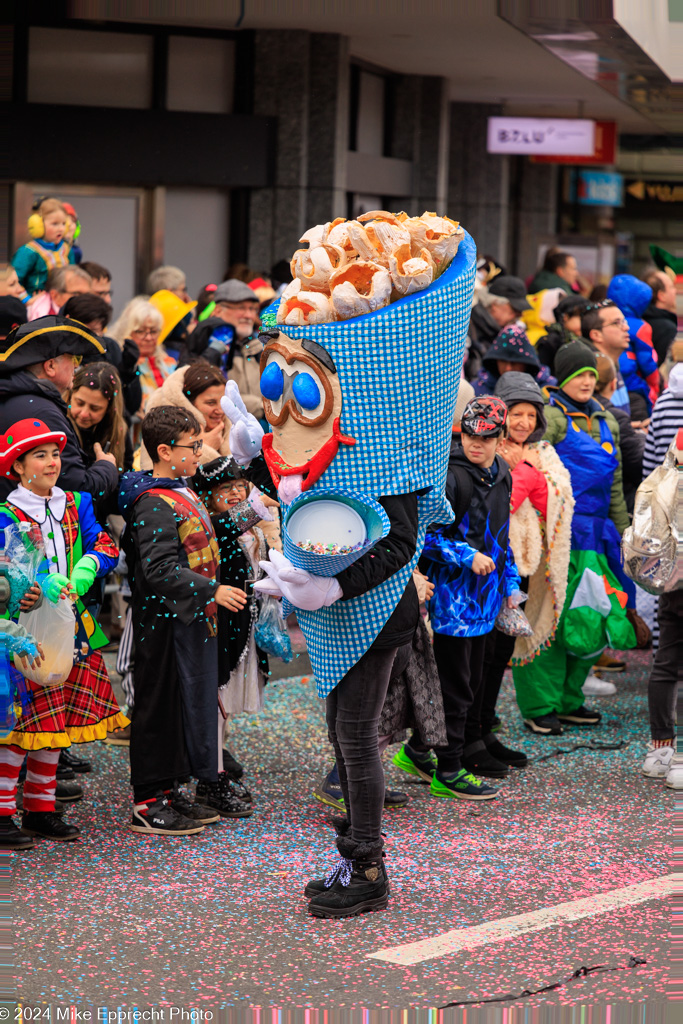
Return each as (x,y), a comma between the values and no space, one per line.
(312,347)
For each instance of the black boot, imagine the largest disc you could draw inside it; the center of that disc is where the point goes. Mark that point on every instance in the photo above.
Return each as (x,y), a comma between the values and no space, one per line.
(477,760)
(48,825)
(74,762)
(317,885)
(189,808)
(11,838)
(221,796)
(231,765)
(360,885)
(513,758)
(67,792)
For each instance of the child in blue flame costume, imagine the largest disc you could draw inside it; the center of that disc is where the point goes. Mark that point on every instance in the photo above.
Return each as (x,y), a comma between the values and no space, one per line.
(471,565)
(362,405)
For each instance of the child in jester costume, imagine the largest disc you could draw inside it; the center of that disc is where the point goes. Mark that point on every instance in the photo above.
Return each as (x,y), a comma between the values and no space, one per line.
(586,438)
(83,708)
(360,411)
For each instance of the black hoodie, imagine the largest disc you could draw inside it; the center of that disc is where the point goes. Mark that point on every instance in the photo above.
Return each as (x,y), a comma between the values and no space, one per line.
(664,329)
(23,395)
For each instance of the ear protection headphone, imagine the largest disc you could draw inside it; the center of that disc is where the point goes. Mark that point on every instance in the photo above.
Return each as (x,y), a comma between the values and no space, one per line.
(36,225)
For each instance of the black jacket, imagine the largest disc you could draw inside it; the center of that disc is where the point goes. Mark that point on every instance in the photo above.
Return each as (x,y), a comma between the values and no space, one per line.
(382,562)
(664,329)
(23,395)
(632,444)
(125,362)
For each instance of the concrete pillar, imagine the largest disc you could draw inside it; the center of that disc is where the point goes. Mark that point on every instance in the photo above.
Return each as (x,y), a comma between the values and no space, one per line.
(328,127)
(535,215)
(478,183)
(419,133)
(281,89)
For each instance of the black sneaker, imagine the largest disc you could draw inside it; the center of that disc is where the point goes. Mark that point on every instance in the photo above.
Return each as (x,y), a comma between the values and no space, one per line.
(545,725)
(481,762)
(239,789)
(320,885)
(48,825)
(394,798)
(75,763)
(156,817)
(12,838)
(513,758)
(582,716)
(231,765)
(360,884)
(221,797)
(191,809)
(68,792)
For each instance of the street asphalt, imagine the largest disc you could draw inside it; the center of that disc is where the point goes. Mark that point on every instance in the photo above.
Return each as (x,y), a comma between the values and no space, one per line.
(219,919)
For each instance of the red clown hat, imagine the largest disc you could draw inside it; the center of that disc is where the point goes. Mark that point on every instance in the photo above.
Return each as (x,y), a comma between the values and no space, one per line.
(21,437)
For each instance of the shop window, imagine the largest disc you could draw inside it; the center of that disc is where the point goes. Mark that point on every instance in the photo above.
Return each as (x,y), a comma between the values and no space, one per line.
(200,74)
(368,106)
(93,69)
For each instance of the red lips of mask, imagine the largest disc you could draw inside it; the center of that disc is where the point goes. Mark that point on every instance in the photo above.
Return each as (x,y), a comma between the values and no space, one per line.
(312,470)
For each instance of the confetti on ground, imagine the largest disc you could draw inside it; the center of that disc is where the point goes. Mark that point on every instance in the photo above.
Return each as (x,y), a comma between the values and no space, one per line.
(219,919)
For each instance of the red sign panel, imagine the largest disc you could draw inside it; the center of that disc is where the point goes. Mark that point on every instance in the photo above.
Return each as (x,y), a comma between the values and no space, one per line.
(605,148)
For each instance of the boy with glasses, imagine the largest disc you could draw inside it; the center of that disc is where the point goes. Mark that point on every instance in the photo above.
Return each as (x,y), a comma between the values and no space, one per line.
(173,561)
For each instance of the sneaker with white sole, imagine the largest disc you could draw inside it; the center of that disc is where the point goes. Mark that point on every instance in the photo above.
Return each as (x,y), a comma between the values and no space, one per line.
(674,776)
(156,817)
(657,761)
(596,687)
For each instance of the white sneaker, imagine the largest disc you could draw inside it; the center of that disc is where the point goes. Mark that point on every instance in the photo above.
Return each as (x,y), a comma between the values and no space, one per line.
(674,776)
(657,760)
(595,687)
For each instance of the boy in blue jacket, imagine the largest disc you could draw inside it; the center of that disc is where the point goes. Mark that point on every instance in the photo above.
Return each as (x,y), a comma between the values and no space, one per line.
(471,565)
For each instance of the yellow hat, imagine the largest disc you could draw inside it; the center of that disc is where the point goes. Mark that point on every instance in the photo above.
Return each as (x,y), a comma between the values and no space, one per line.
(172,310)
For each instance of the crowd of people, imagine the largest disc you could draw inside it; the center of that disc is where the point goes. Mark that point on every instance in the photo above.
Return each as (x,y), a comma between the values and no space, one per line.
(134,449)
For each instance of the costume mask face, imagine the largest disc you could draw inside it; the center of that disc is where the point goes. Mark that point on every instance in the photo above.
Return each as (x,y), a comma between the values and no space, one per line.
(302,401)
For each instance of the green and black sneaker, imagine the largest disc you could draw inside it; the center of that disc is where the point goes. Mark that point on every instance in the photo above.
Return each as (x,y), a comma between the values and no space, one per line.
(461,786)
(421,765)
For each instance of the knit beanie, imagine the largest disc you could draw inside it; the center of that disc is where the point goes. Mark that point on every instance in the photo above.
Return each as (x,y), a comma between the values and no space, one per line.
(465,395)
(512,345)
(572,359)
(513,388)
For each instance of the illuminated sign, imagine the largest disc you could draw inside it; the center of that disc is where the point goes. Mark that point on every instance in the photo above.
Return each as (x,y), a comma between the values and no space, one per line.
(532,136)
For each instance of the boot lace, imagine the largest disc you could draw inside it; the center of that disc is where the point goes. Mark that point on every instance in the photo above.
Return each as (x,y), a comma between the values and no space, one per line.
(341,871)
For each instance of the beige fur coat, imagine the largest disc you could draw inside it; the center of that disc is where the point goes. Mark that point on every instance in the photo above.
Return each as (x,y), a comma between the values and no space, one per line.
(171,392)
(541,552)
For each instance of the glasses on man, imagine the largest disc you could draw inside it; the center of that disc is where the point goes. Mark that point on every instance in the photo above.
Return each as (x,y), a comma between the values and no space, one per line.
(196,446)
(620,322)
(240,307)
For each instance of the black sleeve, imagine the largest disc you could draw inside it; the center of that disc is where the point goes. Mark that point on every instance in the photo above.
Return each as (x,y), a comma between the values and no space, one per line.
(258,474)
(632,443)
(388,555)
(101,479)
(155,535)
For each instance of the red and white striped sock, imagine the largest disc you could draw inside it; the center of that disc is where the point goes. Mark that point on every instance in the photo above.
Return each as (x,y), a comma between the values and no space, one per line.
(11,760)
(41,781)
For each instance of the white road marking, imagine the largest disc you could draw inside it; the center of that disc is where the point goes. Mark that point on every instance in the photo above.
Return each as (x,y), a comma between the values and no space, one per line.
(522,924)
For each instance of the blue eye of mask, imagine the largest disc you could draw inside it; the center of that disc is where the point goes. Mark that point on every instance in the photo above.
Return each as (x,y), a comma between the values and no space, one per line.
(272,382)
(306,391)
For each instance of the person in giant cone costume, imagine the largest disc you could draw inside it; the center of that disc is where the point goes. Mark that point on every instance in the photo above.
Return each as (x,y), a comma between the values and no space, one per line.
(360,411)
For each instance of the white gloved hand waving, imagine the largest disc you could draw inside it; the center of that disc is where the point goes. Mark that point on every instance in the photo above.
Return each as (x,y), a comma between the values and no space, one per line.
(302,589)
(246,433)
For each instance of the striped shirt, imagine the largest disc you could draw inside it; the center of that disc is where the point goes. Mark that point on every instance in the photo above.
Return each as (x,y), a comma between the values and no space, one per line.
(667,418)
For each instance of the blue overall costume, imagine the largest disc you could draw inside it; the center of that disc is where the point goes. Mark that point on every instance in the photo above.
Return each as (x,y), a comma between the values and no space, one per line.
(597,591)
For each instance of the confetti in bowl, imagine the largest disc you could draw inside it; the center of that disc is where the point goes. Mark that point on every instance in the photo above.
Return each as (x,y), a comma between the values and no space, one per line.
(326,531)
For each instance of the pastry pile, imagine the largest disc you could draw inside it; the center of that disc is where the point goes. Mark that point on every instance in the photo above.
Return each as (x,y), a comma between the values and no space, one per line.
(352,267)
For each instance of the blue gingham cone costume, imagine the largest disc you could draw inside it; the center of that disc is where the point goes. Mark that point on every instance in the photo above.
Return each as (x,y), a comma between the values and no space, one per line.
(398,370)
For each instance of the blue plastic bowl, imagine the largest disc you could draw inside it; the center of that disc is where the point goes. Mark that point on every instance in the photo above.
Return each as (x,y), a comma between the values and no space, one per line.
(374,517)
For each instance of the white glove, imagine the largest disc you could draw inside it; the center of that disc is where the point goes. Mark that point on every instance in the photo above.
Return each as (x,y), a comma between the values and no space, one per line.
(246,433)
(302,589)
(254,499)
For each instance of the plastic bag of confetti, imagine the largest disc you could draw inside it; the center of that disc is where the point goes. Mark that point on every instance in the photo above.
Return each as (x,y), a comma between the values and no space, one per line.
(271,631)
(513,621)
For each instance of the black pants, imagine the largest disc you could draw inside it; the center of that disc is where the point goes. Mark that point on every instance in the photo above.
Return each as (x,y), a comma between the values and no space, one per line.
(460,661)
(353,709)
(662,689)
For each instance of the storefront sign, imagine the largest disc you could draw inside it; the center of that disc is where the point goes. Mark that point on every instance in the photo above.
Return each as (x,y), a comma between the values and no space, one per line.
(605,151)
(597,188)
(533,135)
(656,191)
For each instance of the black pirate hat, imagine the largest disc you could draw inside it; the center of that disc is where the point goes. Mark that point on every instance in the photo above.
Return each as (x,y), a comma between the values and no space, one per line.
(47,338)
